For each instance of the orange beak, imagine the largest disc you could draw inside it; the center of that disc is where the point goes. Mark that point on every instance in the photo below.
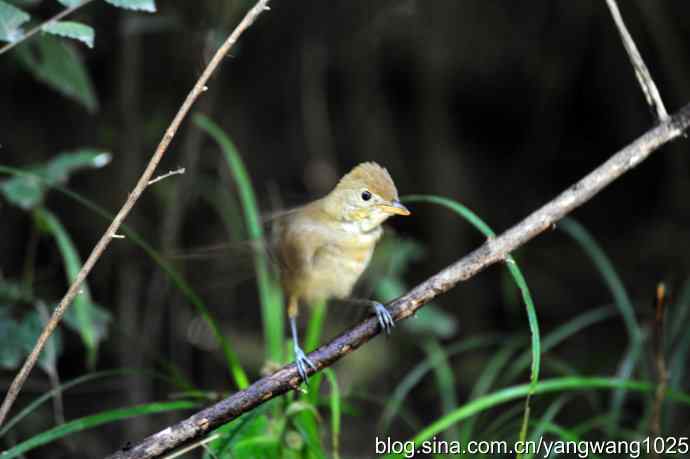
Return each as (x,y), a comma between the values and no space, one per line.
(396,208)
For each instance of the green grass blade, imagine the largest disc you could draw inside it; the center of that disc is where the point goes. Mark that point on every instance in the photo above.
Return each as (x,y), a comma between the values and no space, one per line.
(31,407)
(225,204)
(603,264)
(543,387)
(395,401)
(270,294)
(445,380)
(335,403)
(234,366)
(622,301)
(311,341)
(681,310)
(306,424)
(519,279)
(227,434)
(488,376)
(83,302)
(491,431)
(456,207)
(565,435)
(546,420)
(677,369)
(92,421)
(559,335)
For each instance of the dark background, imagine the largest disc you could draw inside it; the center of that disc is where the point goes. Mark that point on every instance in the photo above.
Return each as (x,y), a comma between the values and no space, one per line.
(498,104)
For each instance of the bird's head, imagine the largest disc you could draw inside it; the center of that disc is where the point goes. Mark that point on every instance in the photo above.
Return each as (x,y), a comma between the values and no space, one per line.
(366,196)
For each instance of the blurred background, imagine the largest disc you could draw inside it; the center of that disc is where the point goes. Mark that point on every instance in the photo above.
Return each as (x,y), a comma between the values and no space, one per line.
(499,105)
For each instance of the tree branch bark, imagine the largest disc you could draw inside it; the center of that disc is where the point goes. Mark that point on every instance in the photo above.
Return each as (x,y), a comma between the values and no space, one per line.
(492,251)
(144,181)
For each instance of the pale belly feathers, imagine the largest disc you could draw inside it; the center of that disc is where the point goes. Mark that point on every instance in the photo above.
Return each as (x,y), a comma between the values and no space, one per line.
(337,264)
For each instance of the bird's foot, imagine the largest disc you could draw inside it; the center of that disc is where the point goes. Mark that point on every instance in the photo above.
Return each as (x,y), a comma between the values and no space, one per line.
(303,362)
(385,318)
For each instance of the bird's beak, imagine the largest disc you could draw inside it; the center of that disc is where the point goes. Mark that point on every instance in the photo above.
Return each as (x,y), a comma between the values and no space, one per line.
(396,207)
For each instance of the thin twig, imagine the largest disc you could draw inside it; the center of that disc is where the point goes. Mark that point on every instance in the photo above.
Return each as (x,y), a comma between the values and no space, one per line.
(179,171)
(141,185)
(659,359)
(492,251)
(647,84)
(38,28)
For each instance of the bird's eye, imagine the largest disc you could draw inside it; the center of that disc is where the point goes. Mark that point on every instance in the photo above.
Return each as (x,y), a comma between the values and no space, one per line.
(366,195)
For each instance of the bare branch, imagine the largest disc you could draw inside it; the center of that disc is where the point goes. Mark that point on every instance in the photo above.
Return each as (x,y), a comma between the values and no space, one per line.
(35,30)
(492,251)
(179,171)
(199,87)
(647,84)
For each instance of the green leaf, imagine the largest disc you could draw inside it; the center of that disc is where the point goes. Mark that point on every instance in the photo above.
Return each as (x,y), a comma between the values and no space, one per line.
(148,6)
(71,29)
(58,65)
(89,322)
(92,421)
(26,191)
(70,3)
(11,20)
(10,349)
(96,315)
(29,330)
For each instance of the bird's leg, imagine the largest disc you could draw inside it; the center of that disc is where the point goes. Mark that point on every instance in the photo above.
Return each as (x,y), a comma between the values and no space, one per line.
(384,317)
(301,359)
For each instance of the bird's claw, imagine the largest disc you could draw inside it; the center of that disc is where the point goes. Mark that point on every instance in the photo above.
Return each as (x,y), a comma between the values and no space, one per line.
(303,362)
(385,318)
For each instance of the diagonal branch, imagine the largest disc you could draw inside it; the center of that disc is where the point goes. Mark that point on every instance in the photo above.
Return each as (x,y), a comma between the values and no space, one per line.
(144,181)
(492,251)
(651,93)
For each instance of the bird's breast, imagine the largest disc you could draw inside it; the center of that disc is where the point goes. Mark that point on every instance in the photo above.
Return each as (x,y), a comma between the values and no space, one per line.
(339,264)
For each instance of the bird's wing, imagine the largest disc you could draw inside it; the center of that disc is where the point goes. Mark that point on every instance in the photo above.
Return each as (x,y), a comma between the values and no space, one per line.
(299,245)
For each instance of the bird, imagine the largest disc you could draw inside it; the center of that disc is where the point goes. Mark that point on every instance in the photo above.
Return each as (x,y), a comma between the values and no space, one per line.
(324,246)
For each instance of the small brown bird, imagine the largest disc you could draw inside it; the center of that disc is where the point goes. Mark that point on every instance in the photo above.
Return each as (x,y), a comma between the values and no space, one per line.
(325,246)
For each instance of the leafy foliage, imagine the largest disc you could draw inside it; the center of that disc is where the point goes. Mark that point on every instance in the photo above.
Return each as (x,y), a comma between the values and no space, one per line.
(85,317)
(28,332)
(11,20)
(148,6)
(70,3)
(58,65)
(70,29)
(10,352)
(27,192)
